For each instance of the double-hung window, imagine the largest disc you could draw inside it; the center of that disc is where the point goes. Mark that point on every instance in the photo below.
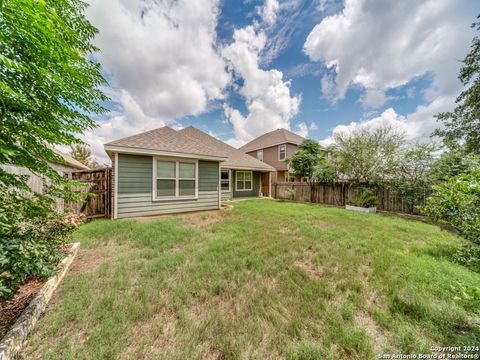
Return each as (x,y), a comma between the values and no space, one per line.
(225,180)
(243,181)
(282,152)
(175,179)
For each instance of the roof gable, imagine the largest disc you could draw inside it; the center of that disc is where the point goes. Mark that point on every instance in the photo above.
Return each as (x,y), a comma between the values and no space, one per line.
(272,138)
(189,141)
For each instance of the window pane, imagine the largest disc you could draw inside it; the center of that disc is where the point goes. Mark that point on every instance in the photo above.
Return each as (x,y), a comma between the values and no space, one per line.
(260,155)
(248,176)
(248,184)
(187,170)
(225,174)
(166,169)
(240,185)
(186,187)
(240,175)
(225,185)
(165,187)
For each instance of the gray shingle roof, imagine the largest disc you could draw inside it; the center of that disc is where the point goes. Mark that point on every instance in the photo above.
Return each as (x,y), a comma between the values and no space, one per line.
(191,141)
(272,138)
(236,158)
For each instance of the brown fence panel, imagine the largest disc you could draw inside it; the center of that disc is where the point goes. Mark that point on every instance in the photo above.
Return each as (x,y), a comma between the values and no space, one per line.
(97,190)
(340,194)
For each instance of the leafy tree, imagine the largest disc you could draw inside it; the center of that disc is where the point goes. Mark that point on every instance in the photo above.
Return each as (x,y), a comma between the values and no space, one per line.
(413,178)
(457,202)
(369,156)
(48,84)
(453,162)
(82,153)
(462,125)
(310,161)
(304,161)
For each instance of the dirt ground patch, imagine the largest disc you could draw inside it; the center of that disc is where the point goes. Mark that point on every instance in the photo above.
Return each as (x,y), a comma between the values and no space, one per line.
(89,260)
(10,312)
(202,219)
(313,271)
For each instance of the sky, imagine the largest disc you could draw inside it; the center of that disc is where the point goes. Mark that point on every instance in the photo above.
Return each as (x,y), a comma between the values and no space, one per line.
(238,69)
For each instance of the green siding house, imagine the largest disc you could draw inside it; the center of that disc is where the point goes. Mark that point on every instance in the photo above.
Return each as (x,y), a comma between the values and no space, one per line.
(165,171)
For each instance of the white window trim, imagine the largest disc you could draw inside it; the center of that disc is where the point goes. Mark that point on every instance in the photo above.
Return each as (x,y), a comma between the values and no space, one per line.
(229,181)
(251,181)
(279,159)
(177,179)
(260,151)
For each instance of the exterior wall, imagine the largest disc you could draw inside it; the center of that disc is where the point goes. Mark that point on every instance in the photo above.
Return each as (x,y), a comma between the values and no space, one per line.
(135,188)
(256,186)
(270,156)
(113,180)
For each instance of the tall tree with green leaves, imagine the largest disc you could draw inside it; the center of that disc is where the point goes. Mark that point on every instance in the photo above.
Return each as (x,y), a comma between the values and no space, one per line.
(462,125)
(83,154)
(303,161)
(369,156)
(49,83)
(49,88)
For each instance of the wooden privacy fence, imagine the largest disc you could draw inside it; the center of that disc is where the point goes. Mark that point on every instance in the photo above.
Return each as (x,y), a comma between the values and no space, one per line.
(340,194)
(97,190)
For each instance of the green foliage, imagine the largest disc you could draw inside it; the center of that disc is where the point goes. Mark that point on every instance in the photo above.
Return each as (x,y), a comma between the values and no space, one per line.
(368,155)
(453,162)
(48,83)
(462,125)
(467,292)
(49,86)
(457,202)
(304,161)
(83,154)
(29,239)
(412,180)
(366,199)
(469,256)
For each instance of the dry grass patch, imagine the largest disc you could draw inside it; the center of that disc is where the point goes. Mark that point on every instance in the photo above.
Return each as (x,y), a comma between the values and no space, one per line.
(313,271)
(203,219)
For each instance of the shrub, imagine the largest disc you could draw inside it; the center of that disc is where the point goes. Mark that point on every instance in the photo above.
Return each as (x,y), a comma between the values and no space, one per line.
(469,256)
(366,199)
(30,237)
(457,202)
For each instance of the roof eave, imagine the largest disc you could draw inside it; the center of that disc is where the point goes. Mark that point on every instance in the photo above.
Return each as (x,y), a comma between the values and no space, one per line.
(142,151)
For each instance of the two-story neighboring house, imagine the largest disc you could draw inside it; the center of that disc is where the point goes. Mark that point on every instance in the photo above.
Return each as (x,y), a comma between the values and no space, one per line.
(273,148)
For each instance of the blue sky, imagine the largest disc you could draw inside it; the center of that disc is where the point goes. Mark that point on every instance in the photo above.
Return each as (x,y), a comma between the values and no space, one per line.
(236,69)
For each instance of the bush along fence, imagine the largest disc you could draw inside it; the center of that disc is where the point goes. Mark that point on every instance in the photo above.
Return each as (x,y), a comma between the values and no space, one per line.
(340,194)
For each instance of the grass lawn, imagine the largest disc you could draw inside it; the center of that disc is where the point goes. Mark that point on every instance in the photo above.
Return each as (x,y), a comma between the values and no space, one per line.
(268,279)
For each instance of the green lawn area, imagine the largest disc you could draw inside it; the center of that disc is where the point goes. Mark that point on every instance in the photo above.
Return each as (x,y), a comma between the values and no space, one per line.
(268,279)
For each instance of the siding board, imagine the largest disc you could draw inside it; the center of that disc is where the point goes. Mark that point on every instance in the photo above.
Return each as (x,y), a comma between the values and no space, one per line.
(135,173)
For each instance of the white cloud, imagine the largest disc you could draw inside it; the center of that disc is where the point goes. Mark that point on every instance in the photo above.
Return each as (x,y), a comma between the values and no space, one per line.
(302,130)
(418,126)
(267,95)
(381,45)
(162,58)
(268,11)
(313,126)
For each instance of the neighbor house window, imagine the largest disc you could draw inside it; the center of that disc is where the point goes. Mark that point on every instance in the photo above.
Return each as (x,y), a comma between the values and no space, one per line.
(175,179)
(282,151)
(243,180)
(260,154)
(225,180)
